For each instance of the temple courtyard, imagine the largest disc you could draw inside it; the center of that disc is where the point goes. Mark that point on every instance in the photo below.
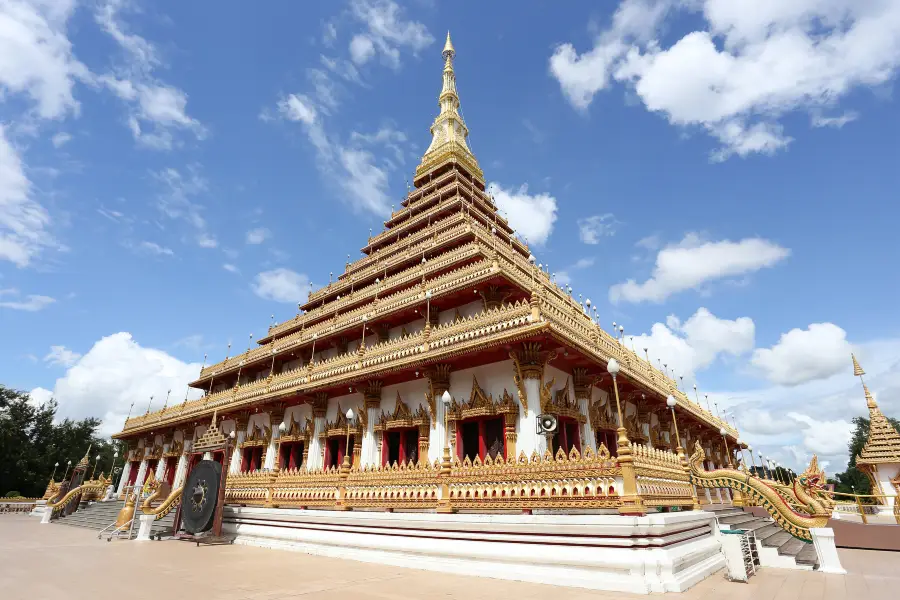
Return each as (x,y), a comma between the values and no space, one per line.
(46,562)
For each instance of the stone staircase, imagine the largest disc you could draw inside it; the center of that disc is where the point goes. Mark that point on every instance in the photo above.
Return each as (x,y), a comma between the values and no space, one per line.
(98,515)
(776,547)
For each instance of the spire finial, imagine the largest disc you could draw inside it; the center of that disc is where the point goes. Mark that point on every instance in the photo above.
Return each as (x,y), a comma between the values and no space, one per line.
(857,370)
(870,399)
(449,51)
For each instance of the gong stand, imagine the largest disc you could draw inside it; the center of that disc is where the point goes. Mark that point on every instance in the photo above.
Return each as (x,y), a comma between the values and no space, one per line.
(212,441)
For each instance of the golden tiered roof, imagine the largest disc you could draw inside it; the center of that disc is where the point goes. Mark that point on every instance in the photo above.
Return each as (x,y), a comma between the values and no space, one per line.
(883,443)
(446,241)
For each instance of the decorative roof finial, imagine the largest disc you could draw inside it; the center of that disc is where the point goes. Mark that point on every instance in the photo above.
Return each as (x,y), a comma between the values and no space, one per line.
(857,370)
(449,51)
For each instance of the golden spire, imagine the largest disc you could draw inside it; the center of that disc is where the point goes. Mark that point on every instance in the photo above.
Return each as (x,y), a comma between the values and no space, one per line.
(857,370)
(449,132)
(883,442)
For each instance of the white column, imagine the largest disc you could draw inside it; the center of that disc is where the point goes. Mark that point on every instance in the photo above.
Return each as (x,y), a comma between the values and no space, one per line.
(142,472)
(272,450)
(145,527)
(123,480)
(160,468)
(368,456)
(437,437)
(528,439)
(587,432)
(315,444)
(180,472)
(235,467)
(826,550)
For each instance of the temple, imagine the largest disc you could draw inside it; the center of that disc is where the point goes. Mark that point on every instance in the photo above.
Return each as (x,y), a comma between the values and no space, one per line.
(880,457)
(414,382)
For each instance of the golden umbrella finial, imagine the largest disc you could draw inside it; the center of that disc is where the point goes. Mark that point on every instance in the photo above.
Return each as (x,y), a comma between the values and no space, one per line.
(857,370)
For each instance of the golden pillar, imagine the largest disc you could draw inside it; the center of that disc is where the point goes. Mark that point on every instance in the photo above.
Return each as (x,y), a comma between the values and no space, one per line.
(632,504)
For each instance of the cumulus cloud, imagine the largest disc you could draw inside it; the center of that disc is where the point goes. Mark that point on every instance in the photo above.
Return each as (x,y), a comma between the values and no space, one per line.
(746,66)
(592,229)
(802,355)
(113,374)
(531,215)
(692,263)
(281,285)
(690,346)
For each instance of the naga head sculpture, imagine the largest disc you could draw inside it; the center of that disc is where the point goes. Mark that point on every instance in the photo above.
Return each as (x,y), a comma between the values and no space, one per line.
(813,478)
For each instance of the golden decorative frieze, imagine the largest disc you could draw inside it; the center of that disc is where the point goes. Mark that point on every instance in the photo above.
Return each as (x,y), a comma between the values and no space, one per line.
(372,394)
(340,426)
(482,404)
(402,417)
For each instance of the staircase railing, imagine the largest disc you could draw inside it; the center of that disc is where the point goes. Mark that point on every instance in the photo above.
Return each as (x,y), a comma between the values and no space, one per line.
(88,490)
(807,493)
(125,518)
(859,504)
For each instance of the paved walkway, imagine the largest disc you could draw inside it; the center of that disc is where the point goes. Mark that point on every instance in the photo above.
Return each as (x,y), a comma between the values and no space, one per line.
(50,562)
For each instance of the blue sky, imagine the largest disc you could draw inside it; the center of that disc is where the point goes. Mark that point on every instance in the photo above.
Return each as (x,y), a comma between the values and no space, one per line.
(172,174)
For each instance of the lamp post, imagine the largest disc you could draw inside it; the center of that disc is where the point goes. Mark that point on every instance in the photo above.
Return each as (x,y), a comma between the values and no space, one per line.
(631,501)
(724,433)
(96,462)
(444,500)
(671,403)
(68,464)
(54,470)
(753,462)
(112,468)
(345,466)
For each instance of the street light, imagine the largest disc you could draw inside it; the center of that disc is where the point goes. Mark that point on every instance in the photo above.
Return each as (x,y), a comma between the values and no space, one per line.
(96,461)
(723,433)
(346,464)
(54,470)
(671,403)
(68,464)
(444,500)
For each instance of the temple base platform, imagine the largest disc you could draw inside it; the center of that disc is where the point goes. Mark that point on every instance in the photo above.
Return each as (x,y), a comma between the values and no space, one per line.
(661,552)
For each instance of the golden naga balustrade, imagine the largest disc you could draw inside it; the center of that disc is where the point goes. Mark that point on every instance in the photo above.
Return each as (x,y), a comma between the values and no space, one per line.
(592,480)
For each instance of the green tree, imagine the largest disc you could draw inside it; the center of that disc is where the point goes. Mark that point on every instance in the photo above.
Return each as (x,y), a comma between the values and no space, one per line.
(853,478)
(31,443)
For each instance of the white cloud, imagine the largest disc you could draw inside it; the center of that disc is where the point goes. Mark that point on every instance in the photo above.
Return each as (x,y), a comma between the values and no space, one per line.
(156,108)
(564,277)
(824,437)
(361,49)
(24,222)
(591,229)
(817,352)
(61,356)
(836,122)
(60,139)
(695,344)
(281,285)
(692,263)
(39,396)
(387,32)
(175,201)
(748,65)
(297,107)
(115,372)
(31,302)
(154,248)
(531,215)
(258,235)
(230,268)
(37,55)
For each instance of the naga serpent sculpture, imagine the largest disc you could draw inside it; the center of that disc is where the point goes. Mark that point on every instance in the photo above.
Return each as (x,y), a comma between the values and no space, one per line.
(808,489)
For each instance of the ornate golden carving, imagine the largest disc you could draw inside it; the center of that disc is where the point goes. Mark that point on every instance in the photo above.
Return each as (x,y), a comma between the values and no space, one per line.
(481,404)
(402,417)
(372,394)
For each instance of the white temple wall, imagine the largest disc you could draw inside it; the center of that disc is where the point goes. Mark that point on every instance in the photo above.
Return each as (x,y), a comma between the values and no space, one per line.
(351,400)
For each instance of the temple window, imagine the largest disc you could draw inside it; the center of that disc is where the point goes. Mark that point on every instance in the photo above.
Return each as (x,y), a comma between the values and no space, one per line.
(480,437)
(292,444)
(335,437)
(608,438)
(400,446)
(567,436)
(251,459)
(291,455)
(335,447)
(404,434)
(480,424)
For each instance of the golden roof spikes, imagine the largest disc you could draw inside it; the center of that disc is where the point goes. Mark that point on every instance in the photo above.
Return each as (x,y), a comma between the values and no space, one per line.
(857,370)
